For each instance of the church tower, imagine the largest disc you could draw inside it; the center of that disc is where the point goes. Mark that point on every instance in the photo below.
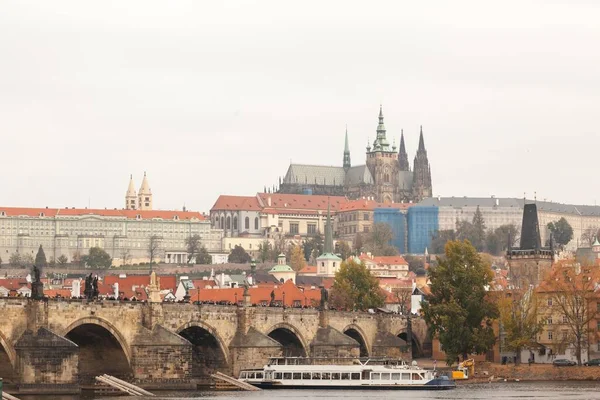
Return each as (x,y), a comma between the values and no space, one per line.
(131,196)
(347,163)
(382,161)
(145,195)
(422,172)
(328,263)
(402,156)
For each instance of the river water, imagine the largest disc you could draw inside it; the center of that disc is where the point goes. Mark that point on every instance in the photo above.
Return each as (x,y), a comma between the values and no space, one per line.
(512,391)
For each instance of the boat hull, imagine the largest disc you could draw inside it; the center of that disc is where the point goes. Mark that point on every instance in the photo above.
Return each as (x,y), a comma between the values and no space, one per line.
(436,384)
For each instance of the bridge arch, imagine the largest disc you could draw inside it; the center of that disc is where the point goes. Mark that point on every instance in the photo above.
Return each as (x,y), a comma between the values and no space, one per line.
(10,350)
(209,352)
(106,325)
(356,333)
(417,349)
(8,359)
(290,338)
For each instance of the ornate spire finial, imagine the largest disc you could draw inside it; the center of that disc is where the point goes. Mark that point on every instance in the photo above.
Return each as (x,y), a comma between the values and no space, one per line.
(421,141)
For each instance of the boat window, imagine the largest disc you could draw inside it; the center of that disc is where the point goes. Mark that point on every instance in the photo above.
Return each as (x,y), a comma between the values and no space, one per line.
(335,375)
(306,375)
(416,377)
(375,376)
(278,375)
(326,375)
(287,375)
(345,376)
(259,375)
(385,376)
(405,376)
(242,375)
(395,377)
(297,375)
(316,375)
(356,376)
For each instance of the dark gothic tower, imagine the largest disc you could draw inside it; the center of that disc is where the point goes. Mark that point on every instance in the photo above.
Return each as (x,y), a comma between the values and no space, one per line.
(421,172)
(402,156)
(347,164)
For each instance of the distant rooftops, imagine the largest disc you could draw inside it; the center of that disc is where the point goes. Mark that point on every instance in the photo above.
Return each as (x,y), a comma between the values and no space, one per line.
(114,213)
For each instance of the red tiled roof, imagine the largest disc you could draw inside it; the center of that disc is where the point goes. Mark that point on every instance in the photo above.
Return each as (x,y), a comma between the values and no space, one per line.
(385,260)
(14,283)
(165,281)
(129,214)
(281,201)
(53,293)
(370,205)
(309,269)
(246,203)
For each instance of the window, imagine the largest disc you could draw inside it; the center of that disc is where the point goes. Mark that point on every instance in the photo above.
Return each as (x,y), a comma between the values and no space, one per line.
(294,228)
(234,223)
(316,375)
(375,376)
(336,375)
(278,375)
(345,376)
(564,319)
(550,335)
(549,321)
(395,377)
(326,375)
(228,226)
(306,375)
(405,376)
(311,229)
(365,229)
(385,376)
(550,302)
(287,375)
(247,223)
(366,216)
(297,375)
(256,223)
(355,376)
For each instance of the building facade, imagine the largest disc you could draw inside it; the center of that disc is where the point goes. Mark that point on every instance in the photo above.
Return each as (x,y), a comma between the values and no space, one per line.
(396,219)
(124,234)
(358,216)
(386,175)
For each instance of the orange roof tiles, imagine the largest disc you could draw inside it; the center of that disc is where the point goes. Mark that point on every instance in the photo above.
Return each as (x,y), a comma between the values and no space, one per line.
(370,205)
(246,203)
(309,269)
(384,260)
(53,293)
(299,202)
(13,283)
(129,214)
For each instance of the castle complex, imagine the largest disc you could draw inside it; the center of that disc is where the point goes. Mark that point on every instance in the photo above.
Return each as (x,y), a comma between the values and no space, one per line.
(386,176)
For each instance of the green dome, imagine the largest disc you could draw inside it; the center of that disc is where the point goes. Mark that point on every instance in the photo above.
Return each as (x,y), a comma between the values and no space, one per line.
(281,268)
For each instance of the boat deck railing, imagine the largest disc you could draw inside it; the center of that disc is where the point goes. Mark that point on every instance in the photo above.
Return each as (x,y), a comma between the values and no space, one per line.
(337,360)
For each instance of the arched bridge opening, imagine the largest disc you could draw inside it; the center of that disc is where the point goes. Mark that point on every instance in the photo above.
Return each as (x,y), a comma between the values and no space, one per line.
(207,354)
(416,350)
(99,353)
(7,372)
(354,334)
(291,343)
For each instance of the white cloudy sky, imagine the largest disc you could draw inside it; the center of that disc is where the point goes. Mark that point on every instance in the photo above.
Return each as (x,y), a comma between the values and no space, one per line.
(216,97)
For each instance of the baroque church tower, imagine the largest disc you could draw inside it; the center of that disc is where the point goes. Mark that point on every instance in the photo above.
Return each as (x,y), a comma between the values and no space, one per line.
(131,196)
(145,195)
(422,172)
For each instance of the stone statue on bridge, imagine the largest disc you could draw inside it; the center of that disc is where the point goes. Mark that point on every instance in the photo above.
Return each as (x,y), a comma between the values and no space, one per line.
(37,287)
(324,298)
(91,287)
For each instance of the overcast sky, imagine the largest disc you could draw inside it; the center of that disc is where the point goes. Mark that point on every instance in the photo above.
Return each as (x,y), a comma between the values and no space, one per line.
(216,97)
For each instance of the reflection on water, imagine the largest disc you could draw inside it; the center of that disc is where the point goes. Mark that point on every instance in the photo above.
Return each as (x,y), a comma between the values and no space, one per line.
(497,391)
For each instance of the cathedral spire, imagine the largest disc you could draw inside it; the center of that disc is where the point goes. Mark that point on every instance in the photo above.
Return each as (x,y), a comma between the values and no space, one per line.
(347,163)
(402,156)
(131,196)
(421,141)
(381,143)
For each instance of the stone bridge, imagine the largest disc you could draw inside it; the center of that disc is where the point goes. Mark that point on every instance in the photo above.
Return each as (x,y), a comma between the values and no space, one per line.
(68,342)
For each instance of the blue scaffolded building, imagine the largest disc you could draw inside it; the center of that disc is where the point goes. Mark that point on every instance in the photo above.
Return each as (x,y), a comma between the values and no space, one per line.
(422,225)
(396,219)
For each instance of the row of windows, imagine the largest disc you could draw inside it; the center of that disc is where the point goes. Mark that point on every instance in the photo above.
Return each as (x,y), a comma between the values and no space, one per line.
(345,376)
(346,217)
(223,223)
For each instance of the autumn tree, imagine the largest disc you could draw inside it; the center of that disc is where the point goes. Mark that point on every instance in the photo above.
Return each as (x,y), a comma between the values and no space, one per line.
(192,244)
(520,319)
(239,256)
(572,294)
(97,258)
(458,311)
(497,240)
(264,250)
(62,260)
(312,248)
(14,260)
(561,230)
(414,262)
(154,248)
(297,261)
(354,288)
(203,257)
(589,235)
(378,240)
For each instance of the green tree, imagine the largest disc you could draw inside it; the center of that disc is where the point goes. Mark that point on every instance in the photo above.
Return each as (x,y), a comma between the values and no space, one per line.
(26,260)
(97,258)
(439,240)
(203,256)
(354,288)
(589,235)
(520,320)
(378,240)
(458,311)
(561,230)
(343,249)
(497,239)
(62,260)
(297,261)
(358,244)
(312,246)
(414,262)
(239,256)
(264,250)
(192,244)
(40,258)
(14,260)
(478,230)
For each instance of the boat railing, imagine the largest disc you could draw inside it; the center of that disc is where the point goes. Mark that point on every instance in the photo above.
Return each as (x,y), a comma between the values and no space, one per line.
(391,362)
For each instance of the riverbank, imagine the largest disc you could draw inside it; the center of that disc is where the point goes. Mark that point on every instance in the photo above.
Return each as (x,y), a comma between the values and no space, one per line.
(535,372)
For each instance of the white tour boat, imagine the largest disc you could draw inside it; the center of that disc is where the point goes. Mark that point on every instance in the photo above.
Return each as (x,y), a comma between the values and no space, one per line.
(307,373)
